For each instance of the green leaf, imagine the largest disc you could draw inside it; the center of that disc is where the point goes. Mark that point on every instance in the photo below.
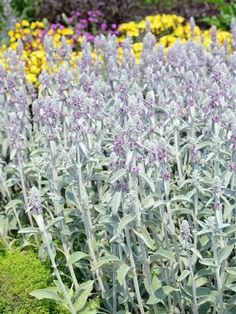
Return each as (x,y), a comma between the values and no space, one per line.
(4,225)
(148,180)
(231,270)
(161,294)
(208,262)
(104,260)
(29,230)
(47,293)
(231,229)
(124,222)
(83,292)
(182,211)
(180,199)
(148,202)
(184,274)
(115,202)
(117,175)
(13,204)
(196,252)
(70,199)
(163,254)
(122,272)
(53,222)
(203,292)
(159,203)
(76,256)
(225,253)
(144,235)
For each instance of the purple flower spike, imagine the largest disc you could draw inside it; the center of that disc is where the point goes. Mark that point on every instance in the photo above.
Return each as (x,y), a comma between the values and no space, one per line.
(35,201)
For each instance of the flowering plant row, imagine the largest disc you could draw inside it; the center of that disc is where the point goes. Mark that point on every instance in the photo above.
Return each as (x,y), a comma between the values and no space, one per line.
(124,174)
(166,28)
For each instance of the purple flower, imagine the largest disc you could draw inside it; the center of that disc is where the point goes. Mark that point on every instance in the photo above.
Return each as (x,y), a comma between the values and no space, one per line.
(103,26)
(35,201)
(70,19)
(233,141)
(185,234)
(232,167)
(166,175)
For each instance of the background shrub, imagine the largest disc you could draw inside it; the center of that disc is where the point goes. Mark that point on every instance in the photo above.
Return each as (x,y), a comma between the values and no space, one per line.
(20,273)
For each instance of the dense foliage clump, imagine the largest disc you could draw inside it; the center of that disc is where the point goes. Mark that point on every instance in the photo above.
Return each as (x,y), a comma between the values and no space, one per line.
(20,273)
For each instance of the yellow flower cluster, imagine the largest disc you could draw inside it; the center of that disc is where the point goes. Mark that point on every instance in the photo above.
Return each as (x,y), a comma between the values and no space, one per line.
(167,29)
(34,54)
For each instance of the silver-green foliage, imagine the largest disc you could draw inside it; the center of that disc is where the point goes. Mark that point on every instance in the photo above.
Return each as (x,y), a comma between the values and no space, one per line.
(124,175)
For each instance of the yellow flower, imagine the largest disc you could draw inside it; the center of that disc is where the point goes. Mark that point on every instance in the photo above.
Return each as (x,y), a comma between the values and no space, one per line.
(39,24)
(67,31)
(33,25)
(35,70)
(18,36)
(142,25)
(50,32)
(138,47)
(31,78)
(57,38)
(26,31)
(25,23)
(11,33)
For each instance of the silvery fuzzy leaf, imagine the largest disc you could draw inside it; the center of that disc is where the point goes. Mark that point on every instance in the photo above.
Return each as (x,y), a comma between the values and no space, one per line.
(117,175)
(124,222)
(224,253)
(76,256)
(82,294)
(184,274)
(163,254)
(115,202)
(122,271)
(13,204)
(53,222)
(160,295)
(31,230)
(148,180)
(47,293)
(104,260)
(148,202)
(180,199)
(143,234)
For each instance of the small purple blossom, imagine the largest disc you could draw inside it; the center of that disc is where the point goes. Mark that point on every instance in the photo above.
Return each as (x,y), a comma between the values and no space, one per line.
(35,201)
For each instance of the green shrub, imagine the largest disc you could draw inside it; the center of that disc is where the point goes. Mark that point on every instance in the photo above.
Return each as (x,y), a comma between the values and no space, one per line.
(20,273)
(227,11)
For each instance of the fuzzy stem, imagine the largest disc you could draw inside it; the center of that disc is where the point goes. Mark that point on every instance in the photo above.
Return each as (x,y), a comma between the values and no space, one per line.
(177,153)
(135,276)
(49,243)
(63,240)
(195,306)
(220,304)
(23,187)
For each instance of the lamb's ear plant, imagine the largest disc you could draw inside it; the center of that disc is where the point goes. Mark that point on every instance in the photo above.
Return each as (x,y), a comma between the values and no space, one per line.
(123,174)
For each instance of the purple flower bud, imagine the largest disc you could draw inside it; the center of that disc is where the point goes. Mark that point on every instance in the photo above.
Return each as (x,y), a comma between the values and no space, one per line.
(35,201)
(185,234)
(232,167)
